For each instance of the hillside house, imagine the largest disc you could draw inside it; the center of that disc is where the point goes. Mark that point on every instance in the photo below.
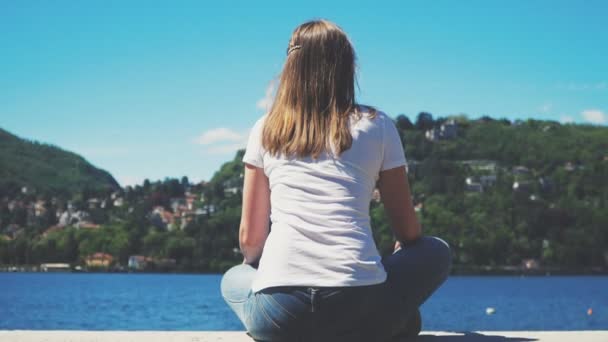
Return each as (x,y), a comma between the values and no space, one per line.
(69,217)
(209,209)
(93,203)
(190,199)
(447,131)
(487,180)
(521,170)
(162,218)
(177,204)
(530,264)
(522,186)
(99,259)
(138,262)
(119,202)
(232,190)
(472,185)
(39,208)
(570,166)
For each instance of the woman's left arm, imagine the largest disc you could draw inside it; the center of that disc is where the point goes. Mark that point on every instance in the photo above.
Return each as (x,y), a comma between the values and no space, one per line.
(254,227)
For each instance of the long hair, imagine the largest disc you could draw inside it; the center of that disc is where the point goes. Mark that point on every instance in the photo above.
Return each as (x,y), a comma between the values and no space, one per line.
(316,94)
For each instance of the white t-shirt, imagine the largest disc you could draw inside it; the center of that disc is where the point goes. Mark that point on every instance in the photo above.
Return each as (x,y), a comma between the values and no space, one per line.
(321,234)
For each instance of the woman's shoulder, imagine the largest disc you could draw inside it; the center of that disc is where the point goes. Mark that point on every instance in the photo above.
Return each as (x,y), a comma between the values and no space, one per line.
(260,120)
(258,125)
(372,114)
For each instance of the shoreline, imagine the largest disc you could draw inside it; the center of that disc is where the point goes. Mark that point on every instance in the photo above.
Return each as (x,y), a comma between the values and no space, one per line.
(240,336)
(456,271)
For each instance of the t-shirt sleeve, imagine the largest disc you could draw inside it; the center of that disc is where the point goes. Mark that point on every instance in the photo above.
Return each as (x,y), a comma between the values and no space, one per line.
(393,154)
(254,153)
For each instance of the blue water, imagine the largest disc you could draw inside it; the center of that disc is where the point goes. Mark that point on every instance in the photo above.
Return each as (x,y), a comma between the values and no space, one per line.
(193,302)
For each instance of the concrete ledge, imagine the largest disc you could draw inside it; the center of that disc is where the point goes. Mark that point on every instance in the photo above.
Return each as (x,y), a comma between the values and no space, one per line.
(236,336)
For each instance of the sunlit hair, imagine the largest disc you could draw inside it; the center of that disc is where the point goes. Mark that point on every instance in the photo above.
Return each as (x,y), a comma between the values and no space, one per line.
(316,94)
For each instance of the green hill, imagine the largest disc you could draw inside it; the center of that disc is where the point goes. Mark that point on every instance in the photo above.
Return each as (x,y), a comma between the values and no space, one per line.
(47,169)
(509,197)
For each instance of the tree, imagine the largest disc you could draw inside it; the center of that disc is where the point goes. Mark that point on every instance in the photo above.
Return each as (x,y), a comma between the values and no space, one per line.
(5,216)
(404,123)
(424,121)
(185,182)
(146,185)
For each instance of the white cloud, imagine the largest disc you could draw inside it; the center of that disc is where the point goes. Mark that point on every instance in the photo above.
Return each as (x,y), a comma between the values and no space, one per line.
(218,135)
(566,119)
(583,86)
(545,108)
(266,102)
(594,116)
(222,140)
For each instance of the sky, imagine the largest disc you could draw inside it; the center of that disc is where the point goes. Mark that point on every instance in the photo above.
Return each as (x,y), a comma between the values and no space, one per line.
(156,89)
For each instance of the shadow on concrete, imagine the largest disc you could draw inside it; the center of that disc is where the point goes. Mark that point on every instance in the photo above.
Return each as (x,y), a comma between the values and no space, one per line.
(469,337)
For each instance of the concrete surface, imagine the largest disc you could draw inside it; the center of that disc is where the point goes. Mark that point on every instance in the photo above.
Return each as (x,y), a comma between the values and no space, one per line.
(236,336)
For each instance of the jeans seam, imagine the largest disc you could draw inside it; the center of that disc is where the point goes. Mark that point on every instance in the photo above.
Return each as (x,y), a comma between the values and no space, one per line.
(281,307)
(264,313)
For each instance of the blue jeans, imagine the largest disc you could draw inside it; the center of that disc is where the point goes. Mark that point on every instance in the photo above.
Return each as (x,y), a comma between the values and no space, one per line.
(357,313)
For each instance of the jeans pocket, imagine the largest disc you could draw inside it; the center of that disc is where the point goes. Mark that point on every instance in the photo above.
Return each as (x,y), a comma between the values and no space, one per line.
(282,307)
(271,318)
(271,314)
(258,323)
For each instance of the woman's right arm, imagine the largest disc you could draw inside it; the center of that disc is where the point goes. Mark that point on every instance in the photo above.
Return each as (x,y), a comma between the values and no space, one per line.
(395,195)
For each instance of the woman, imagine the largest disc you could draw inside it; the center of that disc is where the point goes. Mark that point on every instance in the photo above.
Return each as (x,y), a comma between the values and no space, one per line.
(311,165)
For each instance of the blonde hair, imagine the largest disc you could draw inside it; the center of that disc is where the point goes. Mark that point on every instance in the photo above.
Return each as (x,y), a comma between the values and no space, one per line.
(316,94)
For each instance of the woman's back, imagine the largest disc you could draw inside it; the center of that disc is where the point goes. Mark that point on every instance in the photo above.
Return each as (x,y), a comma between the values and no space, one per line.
(321,233)
(312,163)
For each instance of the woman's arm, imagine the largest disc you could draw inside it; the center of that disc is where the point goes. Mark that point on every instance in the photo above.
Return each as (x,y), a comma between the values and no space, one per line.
(395,194)
(254,227)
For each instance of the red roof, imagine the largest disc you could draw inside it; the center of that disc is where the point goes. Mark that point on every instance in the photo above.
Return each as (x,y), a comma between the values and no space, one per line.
(88,225)
(101,256)
(51,230)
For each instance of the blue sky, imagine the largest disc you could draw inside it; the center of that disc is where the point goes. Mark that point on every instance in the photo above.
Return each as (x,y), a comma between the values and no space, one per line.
(149,89)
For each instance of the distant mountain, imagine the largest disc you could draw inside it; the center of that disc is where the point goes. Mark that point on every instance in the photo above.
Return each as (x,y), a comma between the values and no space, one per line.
(47,169)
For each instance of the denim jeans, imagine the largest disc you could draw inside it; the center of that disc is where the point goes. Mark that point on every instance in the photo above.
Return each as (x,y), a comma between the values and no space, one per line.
(357,313)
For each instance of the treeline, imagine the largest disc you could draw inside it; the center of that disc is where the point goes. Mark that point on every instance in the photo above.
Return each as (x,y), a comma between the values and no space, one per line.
(500,192)
(545,193)
(47,169)
(204,243)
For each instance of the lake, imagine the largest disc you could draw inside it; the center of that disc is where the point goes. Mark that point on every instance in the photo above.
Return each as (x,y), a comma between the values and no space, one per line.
(99,301)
